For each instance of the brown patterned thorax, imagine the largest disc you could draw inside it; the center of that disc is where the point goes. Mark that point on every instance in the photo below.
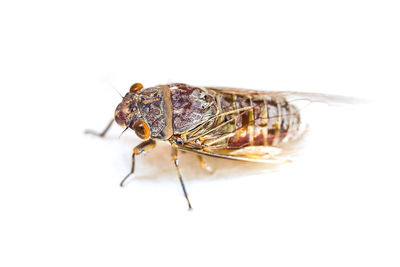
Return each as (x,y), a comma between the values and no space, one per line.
(191,106)
(154,105)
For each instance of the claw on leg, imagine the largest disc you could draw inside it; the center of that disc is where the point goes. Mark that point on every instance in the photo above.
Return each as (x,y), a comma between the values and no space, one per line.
(122,183)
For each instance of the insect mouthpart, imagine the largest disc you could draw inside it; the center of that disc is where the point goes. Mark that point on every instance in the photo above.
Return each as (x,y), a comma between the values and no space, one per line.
(121,113)
(127,113)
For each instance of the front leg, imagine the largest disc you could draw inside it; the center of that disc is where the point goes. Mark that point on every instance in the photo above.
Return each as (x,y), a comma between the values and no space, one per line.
(103,133)
(139,149)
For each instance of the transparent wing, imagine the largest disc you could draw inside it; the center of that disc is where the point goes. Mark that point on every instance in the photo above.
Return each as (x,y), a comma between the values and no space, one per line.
(291,96)
(258,154)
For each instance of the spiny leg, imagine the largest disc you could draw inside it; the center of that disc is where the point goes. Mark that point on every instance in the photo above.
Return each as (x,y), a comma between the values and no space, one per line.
(139,149)
(103,133)
(204,164)
(174,154)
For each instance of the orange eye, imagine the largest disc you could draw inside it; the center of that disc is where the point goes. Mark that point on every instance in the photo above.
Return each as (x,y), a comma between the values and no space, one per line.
(135,87)
(141,129)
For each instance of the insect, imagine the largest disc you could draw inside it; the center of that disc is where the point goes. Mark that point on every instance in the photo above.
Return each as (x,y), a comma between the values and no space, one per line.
(228,123)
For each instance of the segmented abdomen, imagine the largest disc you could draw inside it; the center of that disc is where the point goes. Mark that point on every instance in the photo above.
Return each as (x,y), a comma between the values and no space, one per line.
(251,119)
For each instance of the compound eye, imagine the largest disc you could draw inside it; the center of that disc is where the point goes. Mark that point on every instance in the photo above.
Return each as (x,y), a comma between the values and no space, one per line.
(141,129)
(135,87)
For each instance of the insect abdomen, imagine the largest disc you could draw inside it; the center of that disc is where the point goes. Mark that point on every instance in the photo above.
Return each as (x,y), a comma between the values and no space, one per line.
(258,120)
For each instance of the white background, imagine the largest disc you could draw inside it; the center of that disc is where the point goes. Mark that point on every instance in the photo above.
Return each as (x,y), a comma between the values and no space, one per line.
(337,204)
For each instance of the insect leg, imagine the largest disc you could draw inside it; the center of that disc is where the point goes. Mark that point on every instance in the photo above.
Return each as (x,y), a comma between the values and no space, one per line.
(204,164)
(174,154)
(139,149)
(103,133)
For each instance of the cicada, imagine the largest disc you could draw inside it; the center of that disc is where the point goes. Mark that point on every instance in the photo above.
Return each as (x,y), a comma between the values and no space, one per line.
(230,123)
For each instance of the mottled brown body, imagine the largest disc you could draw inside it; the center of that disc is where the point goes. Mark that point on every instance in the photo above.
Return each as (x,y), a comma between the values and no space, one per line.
(221,122)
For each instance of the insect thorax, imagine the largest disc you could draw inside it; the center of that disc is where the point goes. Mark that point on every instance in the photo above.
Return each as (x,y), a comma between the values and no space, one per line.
(175,108)
(155,108)
(192,106)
